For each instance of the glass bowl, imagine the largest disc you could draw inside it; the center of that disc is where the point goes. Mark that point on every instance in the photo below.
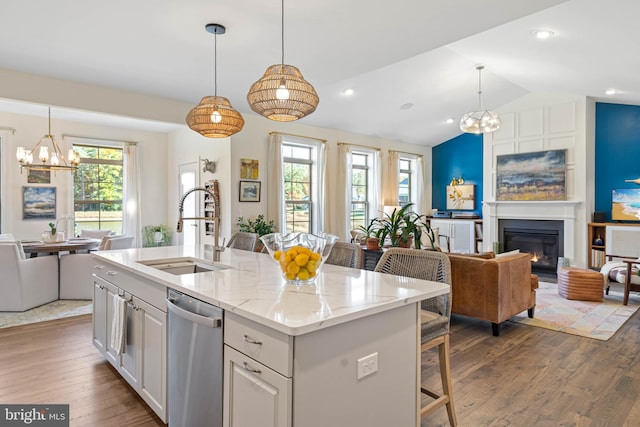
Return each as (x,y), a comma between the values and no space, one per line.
(299,255)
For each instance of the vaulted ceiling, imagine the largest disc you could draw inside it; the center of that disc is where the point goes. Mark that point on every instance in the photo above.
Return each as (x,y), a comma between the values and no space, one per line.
(419,54)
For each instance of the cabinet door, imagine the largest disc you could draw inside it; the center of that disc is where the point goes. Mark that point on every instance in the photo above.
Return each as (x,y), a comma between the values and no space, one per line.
(153,354)
(462,236)
(130,358)
(99,316)
(254,395)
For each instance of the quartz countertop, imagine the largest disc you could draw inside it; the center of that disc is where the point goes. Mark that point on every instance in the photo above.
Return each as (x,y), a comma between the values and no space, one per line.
(252,286)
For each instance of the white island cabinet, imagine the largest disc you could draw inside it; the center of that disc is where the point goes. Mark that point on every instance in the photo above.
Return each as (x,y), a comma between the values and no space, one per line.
(343,351)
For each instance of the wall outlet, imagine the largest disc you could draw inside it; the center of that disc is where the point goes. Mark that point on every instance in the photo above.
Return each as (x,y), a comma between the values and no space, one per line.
(367,365)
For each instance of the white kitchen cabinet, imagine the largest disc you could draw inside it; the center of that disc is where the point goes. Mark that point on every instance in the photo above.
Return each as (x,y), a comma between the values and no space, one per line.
(461,234)
(143,363)
(255,395)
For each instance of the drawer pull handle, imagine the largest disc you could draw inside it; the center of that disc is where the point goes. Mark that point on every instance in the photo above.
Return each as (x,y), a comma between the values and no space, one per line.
(250,340)
(111,273)
(98,267)
(246,367)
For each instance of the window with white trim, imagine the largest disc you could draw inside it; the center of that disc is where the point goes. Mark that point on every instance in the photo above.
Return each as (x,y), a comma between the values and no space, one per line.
(405,181)
(361,178)
(98,188)
(298,170)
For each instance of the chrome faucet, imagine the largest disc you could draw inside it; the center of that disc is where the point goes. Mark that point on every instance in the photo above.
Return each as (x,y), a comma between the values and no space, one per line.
(216,216)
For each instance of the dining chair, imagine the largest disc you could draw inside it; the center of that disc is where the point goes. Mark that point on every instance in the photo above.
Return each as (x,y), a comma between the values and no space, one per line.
(26,282)
(346,255)
(435,314)
(243,240)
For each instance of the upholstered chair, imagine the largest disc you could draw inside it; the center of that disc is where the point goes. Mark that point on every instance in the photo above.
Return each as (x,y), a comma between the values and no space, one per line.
(26,282)
(76,269)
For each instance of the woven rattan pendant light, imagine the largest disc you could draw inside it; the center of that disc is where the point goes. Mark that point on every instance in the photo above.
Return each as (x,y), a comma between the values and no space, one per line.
(480,121)
(282,94)
(214,117)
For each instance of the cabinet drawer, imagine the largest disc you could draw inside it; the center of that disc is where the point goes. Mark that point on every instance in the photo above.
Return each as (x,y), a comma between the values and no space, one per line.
(271,348)
(151,292)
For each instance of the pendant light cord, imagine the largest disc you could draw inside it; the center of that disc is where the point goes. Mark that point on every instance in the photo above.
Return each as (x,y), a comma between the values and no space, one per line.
(479,68)
(215,63)
(282,14)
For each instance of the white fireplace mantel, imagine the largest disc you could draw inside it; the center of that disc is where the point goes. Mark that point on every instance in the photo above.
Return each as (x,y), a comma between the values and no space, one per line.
(564,210)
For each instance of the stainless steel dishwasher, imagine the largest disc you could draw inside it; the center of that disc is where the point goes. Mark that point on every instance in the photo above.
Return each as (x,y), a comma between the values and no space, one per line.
(195,362)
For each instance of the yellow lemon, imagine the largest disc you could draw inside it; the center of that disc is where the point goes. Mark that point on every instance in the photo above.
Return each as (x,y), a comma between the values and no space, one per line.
(302,259)
(293,268)
(303,274)
(315,256)
(312,266)
(290,276)
(276,254)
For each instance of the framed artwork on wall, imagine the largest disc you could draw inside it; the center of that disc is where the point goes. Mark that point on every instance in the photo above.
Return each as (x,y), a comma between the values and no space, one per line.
(532,176)
(249,191)
(249,169)
(461,197)
(38,202)
(39,176)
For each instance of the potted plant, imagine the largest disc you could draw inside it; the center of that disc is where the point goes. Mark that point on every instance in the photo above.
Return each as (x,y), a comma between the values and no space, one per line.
(372,241)
(157,233)
(392,225)
(411,231)
(260,226)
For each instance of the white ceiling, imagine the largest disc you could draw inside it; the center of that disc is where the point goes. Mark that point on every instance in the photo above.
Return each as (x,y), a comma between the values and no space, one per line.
(422,52)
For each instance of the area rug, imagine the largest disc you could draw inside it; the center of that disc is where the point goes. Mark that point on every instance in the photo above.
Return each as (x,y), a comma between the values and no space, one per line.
(597,320)
(53,310)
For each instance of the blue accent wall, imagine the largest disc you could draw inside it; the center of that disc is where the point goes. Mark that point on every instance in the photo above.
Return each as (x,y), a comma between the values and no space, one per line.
(617,153)
(457,157)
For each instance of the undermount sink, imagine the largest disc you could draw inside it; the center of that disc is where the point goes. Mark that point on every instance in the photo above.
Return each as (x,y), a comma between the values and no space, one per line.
(180,266)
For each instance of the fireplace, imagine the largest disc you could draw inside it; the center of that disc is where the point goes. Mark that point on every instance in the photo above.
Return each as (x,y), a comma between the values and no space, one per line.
(543,239)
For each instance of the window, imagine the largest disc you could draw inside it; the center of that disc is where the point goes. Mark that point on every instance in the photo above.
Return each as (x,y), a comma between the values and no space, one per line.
(98,188)
(360,166)
(405,184)
(298,170)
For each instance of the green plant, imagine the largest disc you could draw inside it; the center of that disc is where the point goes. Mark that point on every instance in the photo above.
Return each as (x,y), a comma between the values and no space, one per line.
(157,228)
(370,230)
(260,225)
(149,238)
(430,234)
(53,228)
(392,225)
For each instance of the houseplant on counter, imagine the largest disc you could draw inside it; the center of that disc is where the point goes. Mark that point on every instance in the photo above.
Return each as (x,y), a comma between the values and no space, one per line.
(392,226)
(260,226)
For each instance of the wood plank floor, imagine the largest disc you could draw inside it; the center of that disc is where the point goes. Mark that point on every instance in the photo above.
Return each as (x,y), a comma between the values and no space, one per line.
(526,377)
(55,362)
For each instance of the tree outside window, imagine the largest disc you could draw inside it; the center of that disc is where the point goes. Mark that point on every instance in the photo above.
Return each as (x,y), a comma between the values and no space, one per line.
(297,169)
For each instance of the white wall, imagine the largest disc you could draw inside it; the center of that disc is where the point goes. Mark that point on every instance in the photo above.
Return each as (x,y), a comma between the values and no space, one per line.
(538,122)
(29,130)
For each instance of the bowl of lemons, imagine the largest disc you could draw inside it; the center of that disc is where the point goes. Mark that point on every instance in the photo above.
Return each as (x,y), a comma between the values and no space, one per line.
(299,255)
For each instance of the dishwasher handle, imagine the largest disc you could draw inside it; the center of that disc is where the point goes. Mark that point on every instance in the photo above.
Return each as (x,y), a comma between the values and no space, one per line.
(209,322)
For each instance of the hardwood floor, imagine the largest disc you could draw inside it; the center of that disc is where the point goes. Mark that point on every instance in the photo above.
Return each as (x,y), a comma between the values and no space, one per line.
(55,362)
(527,376)
(531,376)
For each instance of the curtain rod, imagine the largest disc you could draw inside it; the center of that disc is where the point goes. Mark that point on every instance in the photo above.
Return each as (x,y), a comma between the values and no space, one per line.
(271,132)
(358,145)
(68,135)
(12,130)
(404,152)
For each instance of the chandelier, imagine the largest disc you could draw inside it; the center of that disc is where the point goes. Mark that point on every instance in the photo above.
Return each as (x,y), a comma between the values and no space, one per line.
(480,121)
(49,155)
(214,117)
(282,94)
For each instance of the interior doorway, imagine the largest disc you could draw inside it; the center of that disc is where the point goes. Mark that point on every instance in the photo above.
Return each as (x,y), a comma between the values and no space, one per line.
(187,179)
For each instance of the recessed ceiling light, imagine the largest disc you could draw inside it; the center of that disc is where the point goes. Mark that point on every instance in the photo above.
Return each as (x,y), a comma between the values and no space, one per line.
(543,34)
(449,121)
(611,91)
(347,92)
(406,106)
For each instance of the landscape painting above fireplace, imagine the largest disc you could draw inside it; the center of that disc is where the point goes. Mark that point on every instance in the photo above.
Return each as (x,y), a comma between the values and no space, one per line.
(532,176)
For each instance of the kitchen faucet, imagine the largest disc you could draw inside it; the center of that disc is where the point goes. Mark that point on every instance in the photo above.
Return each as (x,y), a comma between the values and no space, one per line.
(216,216)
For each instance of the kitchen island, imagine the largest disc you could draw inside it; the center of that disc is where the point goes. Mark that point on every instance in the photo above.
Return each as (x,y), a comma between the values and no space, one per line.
(343,351)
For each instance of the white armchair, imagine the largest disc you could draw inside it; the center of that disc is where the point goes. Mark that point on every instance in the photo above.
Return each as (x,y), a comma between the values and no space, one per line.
(26,282)
(76,269)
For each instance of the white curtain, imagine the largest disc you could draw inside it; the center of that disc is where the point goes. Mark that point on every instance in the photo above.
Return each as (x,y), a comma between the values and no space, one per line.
(131,224)
(275,179)
(323,209)
(375,196)
(420,206)
(393,173)
(342,202)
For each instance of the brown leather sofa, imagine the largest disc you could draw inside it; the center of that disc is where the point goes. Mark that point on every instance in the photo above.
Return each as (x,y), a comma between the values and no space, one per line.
(493,289)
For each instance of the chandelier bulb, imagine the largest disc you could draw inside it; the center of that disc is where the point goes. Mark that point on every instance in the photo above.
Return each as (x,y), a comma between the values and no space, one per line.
(54,159)
(282,93)
(44,154)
